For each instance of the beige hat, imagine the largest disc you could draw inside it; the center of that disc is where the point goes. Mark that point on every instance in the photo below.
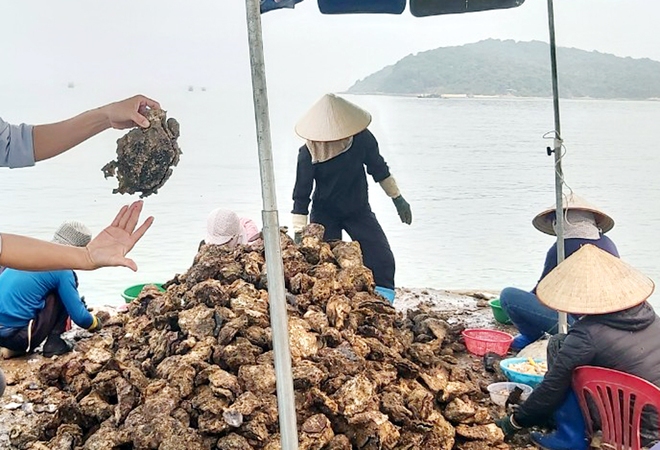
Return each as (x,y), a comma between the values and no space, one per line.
(72,233)
(592,281)
(332,118)
(543,221)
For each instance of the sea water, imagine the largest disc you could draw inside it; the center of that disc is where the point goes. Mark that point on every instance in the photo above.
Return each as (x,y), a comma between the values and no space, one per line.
(474,170)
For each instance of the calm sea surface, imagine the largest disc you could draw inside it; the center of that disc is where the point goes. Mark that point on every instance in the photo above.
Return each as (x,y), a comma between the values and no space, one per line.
(474,170)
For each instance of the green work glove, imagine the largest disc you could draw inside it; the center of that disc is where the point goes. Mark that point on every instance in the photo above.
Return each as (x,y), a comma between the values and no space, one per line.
(297,237)
(403,208)
(508,425)
(96,325)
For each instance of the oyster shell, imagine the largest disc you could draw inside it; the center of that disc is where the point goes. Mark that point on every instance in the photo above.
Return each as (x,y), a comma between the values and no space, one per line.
(145,157)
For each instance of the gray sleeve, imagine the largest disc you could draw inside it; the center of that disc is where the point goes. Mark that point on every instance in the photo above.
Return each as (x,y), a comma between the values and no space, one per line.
(16,145)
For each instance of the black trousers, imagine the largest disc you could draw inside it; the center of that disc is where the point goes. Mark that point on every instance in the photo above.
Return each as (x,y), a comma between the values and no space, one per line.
(50,320)
(364,228)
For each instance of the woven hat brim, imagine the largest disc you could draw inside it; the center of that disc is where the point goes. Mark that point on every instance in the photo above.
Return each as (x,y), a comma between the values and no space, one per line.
(592,281)
(332,118)
(543,223)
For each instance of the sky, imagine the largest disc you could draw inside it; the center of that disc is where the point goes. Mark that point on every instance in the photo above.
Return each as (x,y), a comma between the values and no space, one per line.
(140,43)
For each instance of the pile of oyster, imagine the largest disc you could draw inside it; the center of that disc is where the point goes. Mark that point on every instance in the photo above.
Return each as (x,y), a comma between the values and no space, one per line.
(192,368)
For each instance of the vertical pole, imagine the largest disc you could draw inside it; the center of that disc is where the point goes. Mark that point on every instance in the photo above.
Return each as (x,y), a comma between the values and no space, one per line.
(278,315)
(557,149)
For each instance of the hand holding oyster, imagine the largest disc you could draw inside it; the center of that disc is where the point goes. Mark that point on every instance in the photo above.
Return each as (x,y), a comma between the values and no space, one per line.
(145,156)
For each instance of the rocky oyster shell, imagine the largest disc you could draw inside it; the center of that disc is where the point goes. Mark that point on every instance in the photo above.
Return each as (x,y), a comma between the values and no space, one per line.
(145,156)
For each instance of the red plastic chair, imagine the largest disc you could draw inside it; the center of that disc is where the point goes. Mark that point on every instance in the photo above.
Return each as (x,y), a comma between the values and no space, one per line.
(619,398)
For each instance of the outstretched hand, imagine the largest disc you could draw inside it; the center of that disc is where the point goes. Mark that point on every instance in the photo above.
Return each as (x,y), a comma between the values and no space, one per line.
(110,247)
(130,112)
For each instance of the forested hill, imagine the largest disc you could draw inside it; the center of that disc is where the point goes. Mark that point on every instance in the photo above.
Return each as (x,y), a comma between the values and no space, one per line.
(494,67)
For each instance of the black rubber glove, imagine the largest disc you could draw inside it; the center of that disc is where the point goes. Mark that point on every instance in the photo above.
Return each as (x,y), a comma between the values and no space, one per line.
(508,425)
(297,237)
(403,208)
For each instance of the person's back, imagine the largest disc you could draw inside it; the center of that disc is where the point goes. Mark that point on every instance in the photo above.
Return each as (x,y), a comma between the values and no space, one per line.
(621,341)
(23,294)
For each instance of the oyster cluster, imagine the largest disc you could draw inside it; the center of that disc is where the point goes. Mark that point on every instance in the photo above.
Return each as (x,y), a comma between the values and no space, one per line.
(145,157)
(193,367)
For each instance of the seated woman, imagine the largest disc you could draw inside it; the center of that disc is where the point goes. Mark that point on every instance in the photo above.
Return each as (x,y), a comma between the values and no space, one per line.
(34,306)
(224,227)
(583,224)
(615,328)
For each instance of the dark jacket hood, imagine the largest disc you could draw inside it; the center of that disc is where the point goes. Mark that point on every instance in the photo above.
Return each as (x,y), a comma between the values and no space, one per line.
(633,319)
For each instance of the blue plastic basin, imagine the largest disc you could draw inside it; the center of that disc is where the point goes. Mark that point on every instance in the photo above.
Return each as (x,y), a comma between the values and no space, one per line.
(518,377)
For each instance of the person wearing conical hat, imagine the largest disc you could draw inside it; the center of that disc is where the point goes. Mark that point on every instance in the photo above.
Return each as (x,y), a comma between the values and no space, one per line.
(583,224)
(615,328)
(332,163)
(35,306)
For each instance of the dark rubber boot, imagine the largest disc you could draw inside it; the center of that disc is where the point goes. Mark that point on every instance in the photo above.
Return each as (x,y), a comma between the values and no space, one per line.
(571,431)
(520,341)
(55,345)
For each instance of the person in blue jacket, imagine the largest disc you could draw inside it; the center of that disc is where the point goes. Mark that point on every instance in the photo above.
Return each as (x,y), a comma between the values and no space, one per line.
(332,162)
(583,224)
(34,306)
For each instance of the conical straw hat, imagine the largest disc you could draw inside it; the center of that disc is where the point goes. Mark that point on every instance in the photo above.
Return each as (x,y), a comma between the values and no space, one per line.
(543,221)
(591,281)
(332,118)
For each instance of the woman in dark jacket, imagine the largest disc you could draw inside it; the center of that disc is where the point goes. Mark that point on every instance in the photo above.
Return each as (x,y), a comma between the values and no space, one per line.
(583,224)
(614,330)
(339,147)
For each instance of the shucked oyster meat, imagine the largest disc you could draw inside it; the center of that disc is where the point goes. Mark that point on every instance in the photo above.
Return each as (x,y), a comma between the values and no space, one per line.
(145,156)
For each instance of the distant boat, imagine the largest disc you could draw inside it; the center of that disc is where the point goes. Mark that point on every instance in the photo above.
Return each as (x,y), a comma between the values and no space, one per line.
(203,89)
(70,85)
(190,89)
(429,96)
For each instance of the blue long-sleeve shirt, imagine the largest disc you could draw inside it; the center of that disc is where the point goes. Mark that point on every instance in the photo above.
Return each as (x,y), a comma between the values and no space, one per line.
(571,246)
(22,296)
(16,145)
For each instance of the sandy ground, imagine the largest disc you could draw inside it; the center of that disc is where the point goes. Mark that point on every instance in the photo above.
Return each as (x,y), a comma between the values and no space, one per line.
(467,307)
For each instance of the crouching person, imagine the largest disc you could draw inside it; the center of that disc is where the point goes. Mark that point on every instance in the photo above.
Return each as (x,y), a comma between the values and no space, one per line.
(34,306)
(615,328)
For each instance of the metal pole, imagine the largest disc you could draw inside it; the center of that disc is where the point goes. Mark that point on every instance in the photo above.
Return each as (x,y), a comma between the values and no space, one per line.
(271,232)
(557,149)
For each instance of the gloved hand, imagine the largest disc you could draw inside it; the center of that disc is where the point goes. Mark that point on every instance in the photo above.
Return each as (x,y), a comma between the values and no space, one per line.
(297,237)
(403,208)
(508,425)
(96,325)
(82,299)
